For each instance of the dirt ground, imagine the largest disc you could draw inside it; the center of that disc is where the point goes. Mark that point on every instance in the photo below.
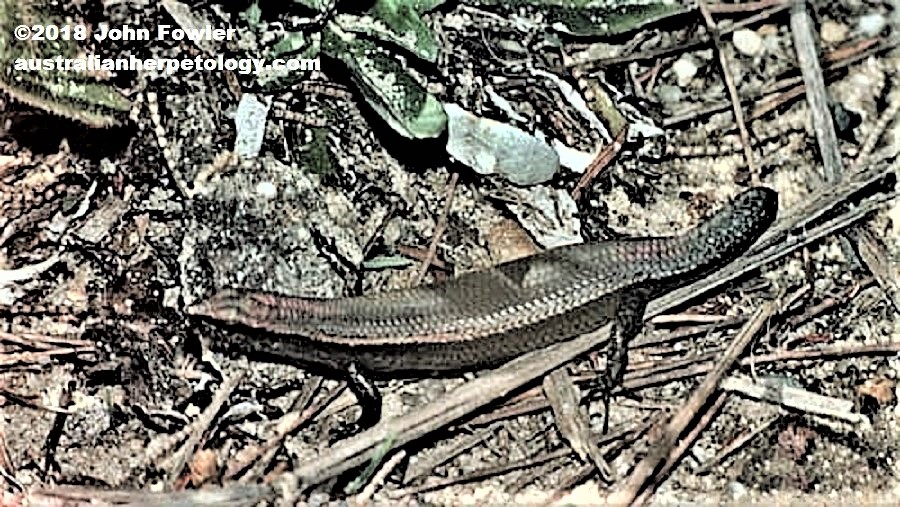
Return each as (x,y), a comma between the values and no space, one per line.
(111,392)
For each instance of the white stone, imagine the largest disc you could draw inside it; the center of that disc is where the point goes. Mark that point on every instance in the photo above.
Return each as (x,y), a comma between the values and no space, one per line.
(832,31)
(266,189)
(872,24)
(748,42)
(685,69)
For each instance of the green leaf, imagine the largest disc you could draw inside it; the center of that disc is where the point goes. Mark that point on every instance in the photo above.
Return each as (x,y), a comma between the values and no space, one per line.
(404,22)
(423,6)
(597,18)
(297,45)
(381,450)
(395,21)
(72,94)
(253,15)
(609,20)
(316,157)
(316,5)
(386,262)
(387,87)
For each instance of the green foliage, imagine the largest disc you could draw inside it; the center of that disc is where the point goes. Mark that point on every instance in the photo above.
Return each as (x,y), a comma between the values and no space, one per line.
(316,157)
(400,100)
(614,19)
(396,21)
(596,18)
(70,94)
(367,44)
(384,447)
(252,15)
(372,44)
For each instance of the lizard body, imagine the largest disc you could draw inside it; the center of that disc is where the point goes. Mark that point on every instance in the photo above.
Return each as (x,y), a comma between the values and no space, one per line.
(483,318)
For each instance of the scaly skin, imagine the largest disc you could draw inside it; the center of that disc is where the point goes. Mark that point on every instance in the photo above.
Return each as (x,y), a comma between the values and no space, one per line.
(486,317)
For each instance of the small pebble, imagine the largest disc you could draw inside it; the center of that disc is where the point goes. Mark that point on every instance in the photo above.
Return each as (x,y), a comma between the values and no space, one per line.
(685,69)
(872,24)
(748,42)
(833,32)
(266,189)
(669,94)
(737,490)
(894,215)
(767,30)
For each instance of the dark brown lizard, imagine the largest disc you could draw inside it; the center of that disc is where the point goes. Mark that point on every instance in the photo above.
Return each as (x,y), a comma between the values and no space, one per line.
(483,318)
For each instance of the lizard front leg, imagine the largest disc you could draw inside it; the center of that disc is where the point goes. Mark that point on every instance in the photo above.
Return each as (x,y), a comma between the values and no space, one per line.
(367,395)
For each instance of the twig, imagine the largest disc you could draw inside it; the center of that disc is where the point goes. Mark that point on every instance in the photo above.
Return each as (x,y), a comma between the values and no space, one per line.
(234,494)
(872,253)
(425,465)
(765,101)
(700,41)
(6,466)
(808,60)
(177,461)
(606,155)
(439,413)
(736,444)
(709,414)
(483,473)
(45,341)
(364,497)
(420,255)
(858,243)
(878,130)
(10,276)
(729,8)
(581,474)
(771,99)
(439,228)
(732,94)
(262,454)
(644,471)
(40,357)
(775,391)
(647,379)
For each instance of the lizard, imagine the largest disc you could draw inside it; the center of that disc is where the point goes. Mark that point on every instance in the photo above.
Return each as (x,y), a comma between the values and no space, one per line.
(482,318)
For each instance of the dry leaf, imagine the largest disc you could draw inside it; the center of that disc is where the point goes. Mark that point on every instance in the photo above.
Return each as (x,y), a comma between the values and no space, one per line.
(203,466)
(881,390)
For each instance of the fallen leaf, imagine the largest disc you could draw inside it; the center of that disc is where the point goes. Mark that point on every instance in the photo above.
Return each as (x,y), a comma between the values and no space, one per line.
(203,466)
(881,390)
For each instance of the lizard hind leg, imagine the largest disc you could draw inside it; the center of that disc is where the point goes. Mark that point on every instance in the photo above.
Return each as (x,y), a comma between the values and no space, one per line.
(627,324)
